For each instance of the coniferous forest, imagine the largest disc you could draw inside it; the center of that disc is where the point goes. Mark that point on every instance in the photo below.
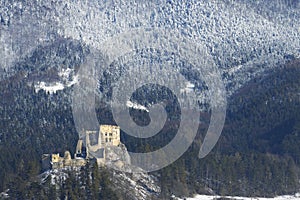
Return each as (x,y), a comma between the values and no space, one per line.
(174,53)
(258,153)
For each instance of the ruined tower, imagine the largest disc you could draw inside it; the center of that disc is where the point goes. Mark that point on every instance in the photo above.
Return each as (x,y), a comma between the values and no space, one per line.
(110,135)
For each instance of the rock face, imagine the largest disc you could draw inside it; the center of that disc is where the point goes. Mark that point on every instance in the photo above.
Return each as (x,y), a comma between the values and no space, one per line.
(118,158)
(140,185)
(130,186)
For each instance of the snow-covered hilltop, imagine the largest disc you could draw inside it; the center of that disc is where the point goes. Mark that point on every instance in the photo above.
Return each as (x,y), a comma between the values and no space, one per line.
(245,38)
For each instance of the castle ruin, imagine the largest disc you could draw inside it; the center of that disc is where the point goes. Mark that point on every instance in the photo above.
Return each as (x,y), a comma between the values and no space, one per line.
(96,148)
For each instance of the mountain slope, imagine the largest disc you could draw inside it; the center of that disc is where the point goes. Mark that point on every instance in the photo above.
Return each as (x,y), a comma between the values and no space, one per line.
(43,44)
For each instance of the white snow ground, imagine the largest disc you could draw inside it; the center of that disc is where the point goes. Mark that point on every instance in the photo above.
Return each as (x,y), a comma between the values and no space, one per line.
(209,197)
(136,106)
(67,80)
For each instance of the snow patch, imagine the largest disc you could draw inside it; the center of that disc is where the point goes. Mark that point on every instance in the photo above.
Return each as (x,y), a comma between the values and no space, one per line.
(67,80)
(49,87)
(189,87)
(65,73)
(4,195)
(209,197)
(136,106)
(234,69)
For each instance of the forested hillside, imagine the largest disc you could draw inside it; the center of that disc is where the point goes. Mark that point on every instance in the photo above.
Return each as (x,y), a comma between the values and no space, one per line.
(258,153)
